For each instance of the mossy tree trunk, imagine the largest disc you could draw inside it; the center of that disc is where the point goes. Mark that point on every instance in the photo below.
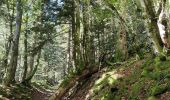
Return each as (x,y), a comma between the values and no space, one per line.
(10,78)
(25,50)
(86,26)
(77,57)
(27,80)
(10,17)
(153,27)
(162,25)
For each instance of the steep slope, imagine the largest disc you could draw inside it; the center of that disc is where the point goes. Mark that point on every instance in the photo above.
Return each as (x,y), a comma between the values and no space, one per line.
(133,79)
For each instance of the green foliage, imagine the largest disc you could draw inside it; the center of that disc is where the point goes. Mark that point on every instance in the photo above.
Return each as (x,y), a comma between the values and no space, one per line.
(118,56)
(71,75)
(152,98)
(104,84)
(48,24)
(148,80)
(16,92)
(158,89)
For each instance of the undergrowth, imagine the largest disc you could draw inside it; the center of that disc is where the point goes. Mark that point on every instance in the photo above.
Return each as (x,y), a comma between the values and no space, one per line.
(147,80)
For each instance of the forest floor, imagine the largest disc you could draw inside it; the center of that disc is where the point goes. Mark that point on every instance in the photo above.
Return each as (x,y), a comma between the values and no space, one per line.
(147,79)
(19,92)
(38,94)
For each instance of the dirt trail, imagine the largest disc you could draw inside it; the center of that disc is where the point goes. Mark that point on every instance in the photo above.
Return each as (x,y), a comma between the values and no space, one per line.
(40,94)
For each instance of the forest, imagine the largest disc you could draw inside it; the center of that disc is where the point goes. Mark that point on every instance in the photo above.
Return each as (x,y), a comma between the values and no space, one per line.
(84,49)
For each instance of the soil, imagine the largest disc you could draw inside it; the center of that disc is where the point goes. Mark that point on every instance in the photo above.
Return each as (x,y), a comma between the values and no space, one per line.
(40,94)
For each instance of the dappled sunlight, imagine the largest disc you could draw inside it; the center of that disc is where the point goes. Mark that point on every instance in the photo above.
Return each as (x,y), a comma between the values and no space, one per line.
(107,79)
(84,50)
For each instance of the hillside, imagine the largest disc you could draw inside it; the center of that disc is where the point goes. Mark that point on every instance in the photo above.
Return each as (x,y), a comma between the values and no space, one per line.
(130,80)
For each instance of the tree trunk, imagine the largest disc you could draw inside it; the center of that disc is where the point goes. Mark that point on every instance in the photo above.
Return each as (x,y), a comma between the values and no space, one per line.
(76,35)
(31,63)
(30,76)
(73,31)
(123,42)
(153,27)
(8,43)
(86,26)
(69,56)
(15,44)
(25,51)
(162,25)
(64,90)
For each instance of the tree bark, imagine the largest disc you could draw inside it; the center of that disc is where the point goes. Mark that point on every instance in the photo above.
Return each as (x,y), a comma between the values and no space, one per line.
(15,44)
(64,90)
(9,39)
(30,76)
(25,51)
(86,26)
(77,57)
(69,56)
(153,27)
(77,36)
(73,22)
(162,25)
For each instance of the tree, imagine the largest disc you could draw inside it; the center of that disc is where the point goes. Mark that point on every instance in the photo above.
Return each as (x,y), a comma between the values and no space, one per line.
(86,33)
(10,20)
(26,49)
(157,28)
(10,77)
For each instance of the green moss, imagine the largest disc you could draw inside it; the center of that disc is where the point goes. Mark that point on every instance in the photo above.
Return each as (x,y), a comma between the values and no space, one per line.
(16,92)
(144,81)
(144,73)
(155,75)
(66,80)
(147,63)
(152,98)
(136,88)
(116,98)
(158,89)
